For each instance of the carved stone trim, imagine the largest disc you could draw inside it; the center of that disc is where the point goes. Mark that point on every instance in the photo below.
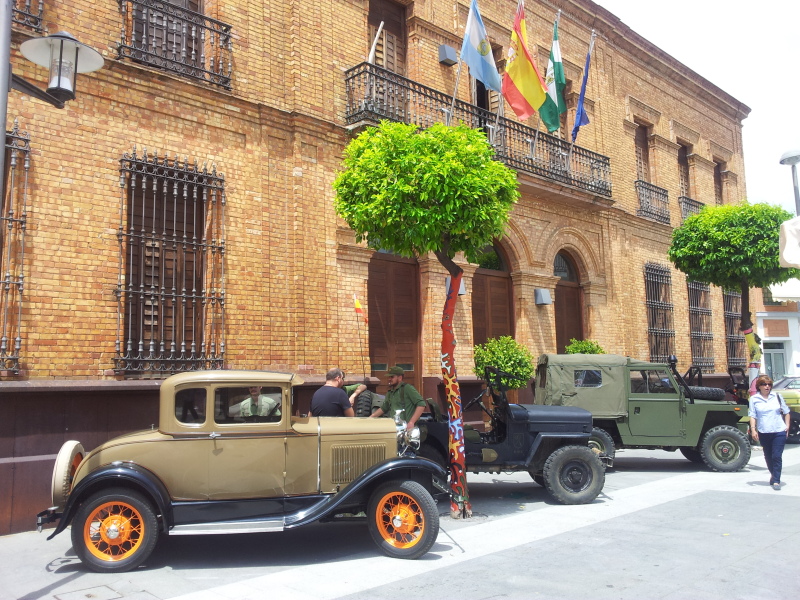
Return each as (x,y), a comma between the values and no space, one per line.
(700,162)
(720,152)
(638,109)
(682,132)
(729,177)
(661,143)
(629,127)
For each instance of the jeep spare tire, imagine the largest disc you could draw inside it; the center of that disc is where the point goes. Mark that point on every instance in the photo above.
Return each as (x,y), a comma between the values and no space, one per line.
(363,407)
(707,393)
(724,448)
(574,475)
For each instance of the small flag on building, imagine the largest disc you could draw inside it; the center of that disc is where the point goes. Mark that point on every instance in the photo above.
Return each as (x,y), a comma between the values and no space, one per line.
(555,80)
(581,118)
(476,51)
(359,309)
(523,86)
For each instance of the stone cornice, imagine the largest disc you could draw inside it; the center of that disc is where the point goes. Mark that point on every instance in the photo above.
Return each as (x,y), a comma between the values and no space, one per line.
(719,151)
(661,143)
(695,160)
(679,131)
(730,177)
(637,108)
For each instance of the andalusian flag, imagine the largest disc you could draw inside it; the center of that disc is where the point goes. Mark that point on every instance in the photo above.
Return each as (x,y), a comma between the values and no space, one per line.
(523,86)
(476,51)
(359,309)
(555,81)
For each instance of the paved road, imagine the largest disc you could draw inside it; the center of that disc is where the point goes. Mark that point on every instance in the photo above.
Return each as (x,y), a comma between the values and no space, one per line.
(663,528)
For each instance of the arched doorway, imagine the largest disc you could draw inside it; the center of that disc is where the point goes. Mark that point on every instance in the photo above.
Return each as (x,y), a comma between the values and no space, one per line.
(394,318)
(568,302)
(492,307)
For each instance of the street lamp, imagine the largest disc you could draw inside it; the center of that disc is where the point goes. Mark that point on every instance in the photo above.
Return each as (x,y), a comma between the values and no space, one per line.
(792,157)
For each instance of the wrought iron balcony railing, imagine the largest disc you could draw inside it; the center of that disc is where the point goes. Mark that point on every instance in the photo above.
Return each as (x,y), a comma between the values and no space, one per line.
(28,13)
(166,36)
(374,94)
(653,202)
(689,207)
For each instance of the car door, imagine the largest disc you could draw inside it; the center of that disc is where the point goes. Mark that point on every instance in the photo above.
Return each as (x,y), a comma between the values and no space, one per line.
(655,407)
(248,459)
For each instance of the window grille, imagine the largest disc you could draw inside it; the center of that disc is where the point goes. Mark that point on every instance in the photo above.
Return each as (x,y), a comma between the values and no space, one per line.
(653,202)
(28,13)
(172,281)
(683,170)
(734,339)
(689,207)
(642,153)
(175,35)
(702,340)
(658,298)
(13,217)
(718,191)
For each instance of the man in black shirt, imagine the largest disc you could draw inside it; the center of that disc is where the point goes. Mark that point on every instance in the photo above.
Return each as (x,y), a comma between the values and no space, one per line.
(331,400)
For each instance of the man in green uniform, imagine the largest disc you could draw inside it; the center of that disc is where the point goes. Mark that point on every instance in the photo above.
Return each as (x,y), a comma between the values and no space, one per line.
(401,396)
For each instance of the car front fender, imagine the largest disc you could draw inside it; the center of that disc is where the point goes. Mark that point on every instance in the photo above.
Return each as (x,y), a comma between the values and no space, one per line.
(118,474)
(422,470)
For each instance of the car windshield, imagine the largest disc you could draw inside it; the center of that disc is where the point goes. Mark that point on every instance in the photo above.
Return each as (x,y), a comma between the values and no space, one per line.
(787,383)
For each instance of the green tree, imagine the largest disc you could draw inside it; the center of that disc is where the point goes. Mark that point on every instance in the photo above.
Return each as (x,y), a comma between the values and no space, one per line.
(733,246)
(438,190)
(508,355)
(583,347)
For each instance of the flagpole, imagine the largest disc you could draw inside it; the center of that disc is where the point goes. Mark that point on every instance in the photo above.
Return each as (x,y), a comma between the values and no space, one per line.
(449,115)
(360,340)
(371,57)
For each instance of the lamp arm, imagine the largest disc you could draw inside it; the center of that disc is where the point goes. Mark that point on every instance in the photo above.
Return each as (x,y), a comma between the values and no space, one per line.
(26,87)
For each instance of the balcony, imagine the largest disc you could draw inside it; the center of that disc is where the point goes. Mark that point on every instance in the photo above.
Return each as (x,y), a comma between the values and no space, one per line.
(375,94)
(653,202)
(168,37)
(689,207)
(28,13)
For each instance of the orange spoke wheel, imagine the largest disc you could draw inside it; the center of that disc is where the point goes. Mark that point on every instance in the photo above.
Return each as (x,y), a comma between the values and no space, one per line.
(114,531)
(402,519)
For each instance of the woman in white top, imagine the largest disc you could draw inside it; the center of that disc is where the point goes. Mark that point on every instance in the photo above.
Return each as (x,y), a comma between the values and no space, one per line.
(769,422)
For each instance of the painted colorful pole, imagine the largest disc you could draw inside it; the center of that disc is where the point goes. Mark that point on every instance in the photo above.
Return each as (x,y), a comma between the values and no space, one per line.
(459,504)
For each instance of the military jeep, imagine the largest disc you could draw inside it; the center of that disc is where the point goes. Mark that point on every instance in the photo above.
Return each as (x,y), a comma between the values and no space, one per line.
(229,456)
(639,404)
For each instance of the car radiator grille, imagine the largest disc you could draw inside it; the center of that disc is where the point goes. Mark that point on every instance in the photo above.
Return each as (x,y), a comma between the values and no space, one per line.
(350,461)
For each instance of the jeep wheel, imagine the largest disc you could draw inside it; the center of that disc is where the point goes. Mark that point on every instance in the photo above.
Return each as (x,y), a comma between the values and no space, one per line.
(693,455)
(601,442)
(538,479)
(725,448)
(794,429)
(707,393)
(432,453)
(574,475)
(114,531)
(363,405)
(402,519)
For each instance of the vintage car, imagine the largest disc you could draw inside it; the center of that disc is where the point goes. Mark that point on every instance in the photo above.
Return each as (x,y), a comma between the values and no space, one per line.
(231,456)
(789,389)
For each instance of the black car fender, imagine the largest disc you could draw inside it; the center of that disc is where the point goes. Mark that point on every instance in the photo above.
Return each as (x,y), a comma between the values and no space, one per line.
(432,475)
(125,474)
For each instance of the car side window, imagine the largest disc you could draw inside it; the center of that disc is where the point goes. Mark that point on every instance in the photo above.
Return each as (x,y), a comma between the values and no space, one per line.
(190,406)
(256,404)
(588,378)
(638,385)
(658,382)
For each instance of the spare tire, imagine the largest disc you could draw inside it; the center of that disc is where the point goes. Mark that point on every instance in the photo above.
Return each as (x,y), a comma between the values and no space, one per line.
(707,393)
(67,461)
(363,406)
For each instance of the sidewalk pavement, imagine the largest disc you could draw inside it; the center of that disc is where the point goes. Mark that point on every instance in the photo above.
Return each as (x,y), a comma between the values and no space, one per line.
(663,528)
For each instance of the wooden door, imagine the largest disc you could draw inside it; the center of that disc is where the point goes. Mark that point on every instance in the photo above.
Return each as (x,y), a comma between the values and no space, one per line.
(569,313)
(491,305)
(394,318)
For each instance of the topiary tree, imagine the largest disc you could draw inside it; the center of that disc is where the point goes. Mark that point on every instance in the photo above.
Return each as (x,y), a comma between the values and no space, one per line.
(735,247)
(508,355)
(583,347)
(436,190)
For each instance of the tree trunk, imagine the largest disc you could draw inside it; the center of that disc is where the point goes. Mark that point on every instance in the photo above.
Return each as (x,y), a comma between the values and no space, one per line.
(750,337)
(460,506)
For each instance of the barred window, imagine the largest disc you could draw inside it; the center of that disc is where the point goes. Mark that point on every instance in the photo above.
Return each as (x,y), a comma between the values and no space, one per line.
(28,13)
(172,280)
(718,189)
(734,338)
(702,340)
(658,298)
(642,146)
(175,35)
(14,208)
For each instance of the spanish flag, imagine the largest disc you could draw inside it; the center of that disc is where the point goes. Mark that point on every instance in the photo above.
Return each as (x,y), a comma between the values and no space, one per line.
(359,309)
(523,86)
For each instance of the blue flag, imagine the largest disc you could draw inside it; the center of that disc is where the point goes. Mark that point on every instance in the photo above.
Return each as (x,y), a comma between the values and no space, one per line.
(476,51)
(581,118)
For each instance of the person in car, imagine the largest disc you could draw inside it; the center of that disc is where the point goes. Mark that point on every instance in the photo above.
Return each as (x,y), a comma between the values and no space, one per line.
(769,423)
(331,400)
(259,405)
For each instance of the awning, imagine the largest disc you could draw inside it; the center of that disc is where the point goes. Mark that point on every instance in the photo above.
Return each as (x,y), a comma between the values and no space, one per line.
(788,291)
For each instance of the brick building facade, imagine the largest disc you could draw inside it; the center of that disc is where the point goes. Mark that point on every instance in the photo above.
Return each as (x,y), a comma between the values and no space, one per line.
(179,213)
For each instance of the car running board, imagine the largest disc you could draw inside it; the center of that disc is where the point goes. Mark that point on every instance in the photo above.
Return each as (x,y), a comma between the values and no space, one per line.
(259,526)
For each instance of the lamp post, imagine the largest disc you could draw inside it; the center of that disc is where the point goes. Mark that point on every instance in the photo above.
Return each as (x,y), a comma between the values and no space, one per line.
(59,53)
(792,157)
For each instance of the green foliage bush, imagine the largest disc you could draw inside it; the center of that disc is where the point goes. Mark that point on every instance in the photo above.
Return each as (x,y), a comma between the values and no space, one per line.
(508,355)
(583,347)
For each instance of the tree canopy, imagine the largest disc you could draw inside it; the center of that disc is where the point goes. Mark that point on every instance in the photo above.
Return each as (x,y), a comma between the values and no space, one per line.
(733,246)
(412,191)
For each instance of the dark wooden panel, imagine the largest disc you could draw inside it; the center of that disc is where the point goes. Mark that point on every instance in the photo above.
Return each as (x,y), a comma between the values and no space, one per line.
(569,314)
(492,307)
